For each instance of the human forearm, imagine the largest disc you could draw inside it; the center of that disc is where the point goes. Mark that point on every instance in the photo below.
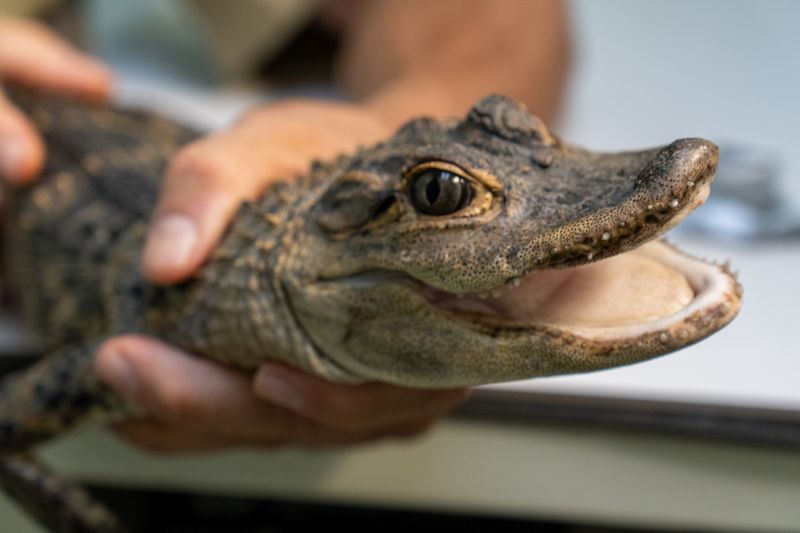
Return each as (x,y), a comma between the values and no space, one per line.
(416,57)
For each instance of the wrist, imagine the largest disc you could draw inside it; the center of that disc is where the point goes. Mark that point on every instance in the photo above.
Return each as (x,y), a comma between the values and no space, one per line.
(415,96)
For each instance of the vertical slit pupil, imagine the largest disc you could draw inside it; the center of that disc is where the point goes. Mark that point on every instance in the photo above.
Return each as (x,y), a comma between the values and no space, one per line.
(432,190)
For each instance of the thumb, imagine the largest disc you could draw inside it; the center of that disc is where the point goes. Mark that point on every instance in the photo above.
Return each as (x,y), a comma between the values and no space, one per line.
(204,186)
(209,178)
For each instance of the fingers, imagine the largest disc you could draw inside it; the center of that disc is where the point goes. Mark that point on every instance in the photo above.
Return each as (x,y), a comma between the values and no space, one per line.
(196,405)
(157,437)
(192,394)
(32,54)
(204,185)
(21,149)
(208,180)
(355,408)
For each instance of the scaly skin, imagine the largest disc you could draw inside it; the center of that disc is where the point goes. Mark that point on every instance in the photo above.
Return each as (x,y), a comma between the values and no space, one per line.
(343,273)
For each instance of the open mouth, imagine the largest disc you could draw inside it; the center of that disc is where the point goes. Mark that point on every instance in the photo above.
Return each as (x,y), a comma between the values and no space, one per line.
(653,289)
(653,292)
(591,289)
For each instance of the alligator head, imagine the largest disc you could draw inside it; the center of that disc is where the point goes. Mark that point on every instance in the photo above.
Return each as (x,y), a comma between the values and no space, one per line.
(485,250)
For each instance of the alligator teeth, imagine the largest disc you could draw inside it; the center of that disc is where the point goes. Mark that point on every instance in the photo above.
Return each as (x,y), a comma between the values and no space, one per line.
(497,293)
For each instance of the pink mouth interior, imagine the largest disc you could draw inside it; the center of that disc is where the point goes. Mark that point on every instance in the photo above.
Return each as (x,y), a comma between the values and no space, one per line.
(631,288)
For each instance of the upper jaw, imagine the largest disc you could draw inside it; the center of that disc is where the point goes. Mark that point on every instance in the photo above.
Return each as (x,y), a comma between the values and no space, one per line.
(657,188)
(610,297)
(667,185)
(665,190)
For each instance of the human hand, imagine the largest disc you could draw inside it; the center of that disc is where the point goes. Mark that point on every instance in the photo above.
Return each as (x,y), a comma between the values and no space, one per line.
(33,55)
(209,178)
(194,404)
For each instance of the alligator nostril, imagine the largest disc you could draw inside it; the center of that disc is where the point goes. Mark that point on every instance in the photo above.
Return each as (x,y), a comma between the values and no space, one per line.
(705,153)
(676,168)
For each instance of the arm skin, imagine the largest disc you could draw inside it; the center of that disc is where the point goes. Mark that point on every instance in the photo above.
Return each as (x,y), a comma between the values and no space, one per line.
(404,58)
(399,59)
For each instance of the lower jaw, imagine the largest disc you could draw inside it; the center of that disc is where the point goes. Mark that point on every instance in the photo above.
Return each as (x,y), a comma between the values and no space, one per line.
(653,290)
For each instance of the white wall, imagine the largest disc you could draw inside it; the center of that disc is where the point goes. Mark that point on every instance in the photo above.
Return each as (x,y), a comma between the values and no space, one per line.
(650,72)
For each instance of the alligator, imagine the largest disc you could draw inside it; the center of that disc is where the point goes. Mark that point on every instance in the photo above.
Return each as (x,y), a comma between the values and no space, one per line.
(455,253)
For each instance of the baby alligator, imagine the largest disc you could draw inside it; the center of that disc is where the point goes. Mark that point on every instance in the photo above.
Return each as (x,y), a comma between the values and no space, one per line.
(454,253)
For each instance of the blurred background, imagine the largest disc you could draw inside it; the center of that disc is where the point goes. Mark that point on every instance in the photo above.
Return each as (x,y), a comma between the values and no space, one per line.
(705,439)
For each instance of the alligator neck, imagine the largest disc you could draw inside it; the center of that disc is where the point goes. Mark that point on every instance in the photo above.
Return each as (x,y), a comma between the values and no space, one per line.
(236,310)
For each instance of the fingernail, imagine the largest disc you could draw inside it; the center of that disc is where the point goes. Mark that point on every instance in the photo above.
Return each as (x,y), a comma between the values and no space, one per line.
(277,389)
(12,158)
(170,243)
(115,371)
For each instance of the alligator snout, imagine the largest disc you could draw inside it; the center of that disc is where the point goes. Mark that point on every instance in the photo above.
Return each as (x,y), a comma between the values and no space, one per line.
(678,169)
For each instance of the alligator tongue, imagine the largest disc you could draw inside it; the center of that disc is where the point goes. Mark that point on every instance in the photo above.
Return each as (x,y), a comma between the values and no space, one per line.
(630,288)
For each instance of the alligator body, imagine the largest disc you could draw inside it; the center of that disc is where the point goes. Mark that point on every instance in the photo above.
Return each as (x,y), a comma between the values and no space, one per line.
(454,253)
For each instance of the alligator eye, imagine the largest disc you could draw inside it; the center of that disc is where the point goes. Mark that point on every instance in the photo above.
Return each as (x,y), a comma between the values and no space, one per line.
(439,192)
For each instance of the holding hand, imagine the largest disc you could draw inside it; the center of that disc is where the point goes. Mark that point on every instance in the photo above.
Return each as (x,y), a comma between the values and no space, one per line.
(33,55)
(194,404)
(209,178)
(197,405)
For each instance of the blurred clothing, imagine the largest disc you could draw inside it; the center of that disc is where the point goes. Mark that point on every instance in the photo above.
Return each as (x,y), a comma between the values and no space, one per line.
(25,7)
(205,39)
